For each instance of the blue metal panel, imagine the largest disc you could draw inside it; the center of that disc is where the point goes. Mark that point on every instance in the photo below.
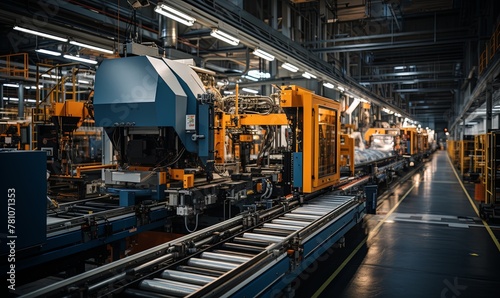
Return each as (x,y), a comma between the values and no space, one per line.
(205,145)
(297,169)
(326,238)
(149,92)
(270,276)
(24,201)
(127,198)
(139,91)
(72,242)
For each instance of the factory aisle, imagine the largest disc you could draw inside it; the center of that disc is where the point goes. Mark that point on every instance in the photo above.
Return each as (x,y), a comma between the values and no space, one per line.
(430,245)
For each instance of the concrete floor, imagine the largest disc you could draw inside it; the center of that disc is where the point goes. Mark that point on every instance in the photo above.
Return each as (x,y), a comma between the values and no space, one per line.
(425,241)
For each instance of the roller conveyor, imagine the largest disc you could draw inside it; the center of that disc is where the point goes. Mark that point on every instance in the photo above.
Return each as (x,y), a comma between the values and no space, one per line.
(288,223)
(248,263)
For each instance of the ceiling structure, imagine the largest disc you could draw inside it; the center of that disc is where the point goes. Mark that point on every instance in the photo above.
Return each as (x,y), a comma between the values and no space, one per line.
(417,57)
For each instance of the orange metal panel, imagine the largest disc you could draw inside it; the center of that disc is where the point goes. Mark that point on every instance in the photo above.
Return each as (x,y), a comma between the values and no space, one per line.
(188,181)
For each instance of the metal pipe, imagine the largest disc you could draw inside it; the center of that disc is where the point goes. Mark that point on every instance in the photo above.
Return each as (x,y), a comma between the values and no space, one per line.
(283,227)
(106,282)
(187,277)
(166,287)
(233,253)
(243,247)
(202,271)
(291,222)
(224,257)
(307,217)
(152,262)
(167,31)
(211,264)
(270,238)
(242,240)
(20,103)
(311,210)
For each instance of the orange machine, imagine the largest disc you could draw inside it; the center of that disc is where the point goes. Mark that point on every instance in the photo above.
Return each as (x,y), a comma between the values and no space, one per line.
(315,121)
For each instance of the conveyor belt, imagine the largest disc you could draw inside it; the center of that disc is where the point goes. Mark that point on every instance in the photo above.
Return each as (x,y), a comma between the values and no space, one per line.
(203,270)
(248,255)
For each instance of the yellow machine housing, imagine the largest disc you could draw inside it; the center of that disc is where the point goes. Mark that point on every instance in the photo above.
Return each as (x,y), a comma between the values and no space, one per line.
(318,139)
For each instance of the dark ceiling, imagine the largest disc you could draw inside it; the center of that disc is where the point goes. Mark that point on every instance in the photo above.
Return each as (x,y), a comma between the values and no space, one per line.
(417,55)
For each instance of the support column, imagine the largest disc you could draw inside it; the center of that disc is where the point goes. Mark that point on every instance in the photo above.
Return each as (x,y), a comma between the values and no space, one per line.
(20,103)
(489,106)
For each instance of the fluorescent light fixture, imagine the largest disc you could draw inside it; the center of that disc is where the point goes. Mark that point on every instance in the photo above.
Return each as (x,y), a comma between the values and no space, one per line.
(250,78)
(220,84)
(290,67)
(471,123)
(49,36)
(328,85)
(228,92)
(46,75)
(341,88)
(33,87)
(83,45)
(308,75)
(174,14)
(248,90)
(225,37)
(84,82)
(80,59)
(397,114)
(11,85)
(399,67)
(262,54)
(48,52)
(17,99)
(258,74)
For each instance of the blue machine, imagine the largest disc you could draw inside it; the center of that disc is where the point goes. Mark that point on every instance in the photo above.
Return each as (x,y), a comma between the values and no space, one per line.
(146,92)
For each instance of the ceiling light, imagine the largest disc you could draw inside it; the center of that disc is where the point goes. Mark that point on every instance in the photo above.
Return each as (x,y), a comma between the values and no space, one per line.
(341,88)
(33,87)
(262,54)
(50,36)
(259,74)
(399,67)
(225,37)
(17,99)
(48,52)
(46,75)
(84,82)
(328,85)
(220,84)
(80,59)
(174,14)
(228,92)
(83,45)
(11,85)
(250,78)
(249,90)
(308,75)
(290,67)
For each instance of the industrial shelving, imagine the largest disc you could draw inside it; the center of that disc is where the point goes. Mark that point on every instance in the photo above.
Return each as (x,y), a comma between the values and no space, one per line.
(465,151)
(493,168)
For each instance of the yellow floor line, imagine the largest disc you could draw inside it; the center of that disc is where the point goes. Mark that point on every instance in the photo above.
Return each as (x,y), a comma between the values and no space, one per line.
(495,240)
(369,237)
